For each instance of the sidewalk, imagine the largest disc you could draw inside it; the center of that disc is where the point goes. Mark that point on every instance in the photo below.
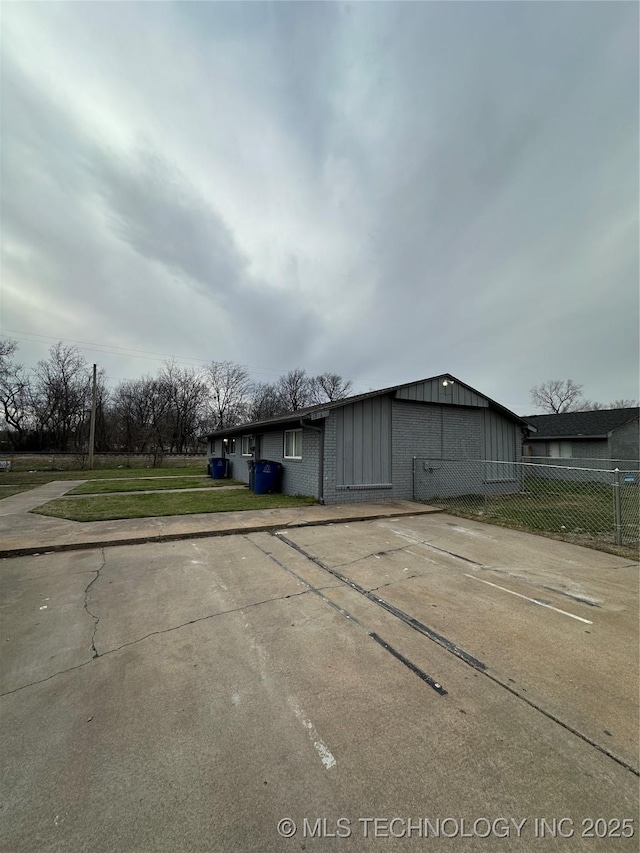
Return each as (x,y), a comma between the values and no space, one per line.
(22,532)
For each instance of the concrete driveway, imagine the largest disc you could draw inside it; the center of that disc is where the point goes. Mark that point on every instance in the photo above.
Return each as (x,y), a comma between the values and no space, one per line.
(459,678)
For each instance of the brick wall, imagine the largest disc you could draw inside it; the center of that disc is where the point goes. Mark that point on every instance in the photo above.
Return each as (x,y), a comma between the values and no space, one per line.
(417,429)
(300,475)
(431,432)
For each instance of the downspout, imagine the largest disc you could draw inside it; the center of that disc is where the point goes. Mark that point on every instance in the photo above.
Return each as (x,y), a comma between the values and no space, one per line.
(320,431)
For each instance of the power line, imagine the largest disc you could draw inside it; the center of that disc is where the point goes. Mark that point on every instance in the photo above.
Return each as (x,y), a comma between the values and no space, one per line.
(106,348)
(112,349)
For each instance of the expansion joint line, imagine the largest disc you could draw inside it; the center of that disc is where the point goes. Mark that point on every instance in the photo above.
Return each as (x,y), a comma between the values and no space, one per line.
(453,648)
(435,685)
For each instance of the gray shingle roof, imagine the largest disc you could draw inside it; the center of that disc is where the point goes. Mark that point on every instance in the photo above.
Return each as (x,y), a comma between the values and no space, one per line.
(304,413)
(581,424)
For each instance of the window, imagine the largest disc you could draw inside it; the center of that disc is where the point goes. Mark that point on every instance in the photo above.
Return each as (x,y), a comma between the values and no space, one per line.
(560,449)
(293,444)
(231,447)
(247,445)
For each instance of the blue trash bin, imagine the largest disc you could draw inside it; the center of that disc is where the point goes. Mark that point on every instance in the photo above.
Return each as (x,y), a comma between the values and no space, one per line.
(267,477)
(219,468)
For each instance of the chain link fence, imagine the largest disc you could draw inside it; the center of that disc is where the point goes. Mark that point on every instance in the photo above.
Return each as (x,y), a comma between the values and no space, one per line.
(592,506)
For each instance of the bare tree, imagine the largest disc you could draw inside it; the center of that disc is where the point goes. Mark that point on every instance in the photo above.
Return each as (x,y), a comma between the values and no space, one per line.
(229,393)
(185,393)
(557,396)
(623,404)
(264,402)
(590,406)
(15,395)
(8,349)
(139,413)
(328,387)
(61,391)
(294,390)
(129,415)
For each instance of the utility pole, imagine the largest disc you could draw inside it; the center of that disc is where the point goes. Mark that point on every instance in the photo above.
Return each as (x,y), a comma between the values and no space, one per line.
(92,427)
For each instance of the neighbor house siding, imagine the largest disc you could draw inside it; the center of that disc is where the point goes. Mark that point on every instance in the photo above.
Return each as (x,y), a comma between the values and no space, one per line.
(625,441)
(592,448)
(581,448)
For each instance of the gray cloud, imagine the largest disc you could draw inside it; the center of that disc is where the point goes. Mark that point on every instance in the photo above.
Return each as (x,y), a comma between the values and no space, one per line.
(381,190)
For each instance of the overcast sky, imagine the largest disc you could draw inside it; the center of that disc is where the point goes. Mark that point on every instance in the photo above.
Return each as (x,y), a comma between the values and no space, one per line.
(387,191)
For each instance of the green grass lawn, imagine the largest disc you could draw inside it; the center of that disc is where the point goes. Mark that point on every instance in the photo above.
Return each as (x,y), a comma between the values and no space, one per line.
(94,487)
(582,512)
(108,507)
(39,478)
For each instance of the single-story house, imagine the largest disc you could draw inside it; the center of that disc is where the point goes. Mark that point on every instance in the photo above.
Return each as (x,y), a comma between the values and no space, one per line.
(612,434)
(363,447)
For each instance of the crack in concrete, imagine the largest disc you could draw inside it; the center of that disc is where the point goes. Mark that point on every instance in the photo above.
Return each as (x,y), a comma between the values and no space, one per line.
(204,619)
(50,575)
(392,583)
(94,616)
(99,655)
(48,678)
(373,554)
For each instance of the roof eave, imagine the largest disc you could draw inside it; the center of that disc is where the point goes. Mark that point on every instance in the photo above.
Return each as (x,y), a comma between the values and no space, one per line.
(328,407)
(249,428)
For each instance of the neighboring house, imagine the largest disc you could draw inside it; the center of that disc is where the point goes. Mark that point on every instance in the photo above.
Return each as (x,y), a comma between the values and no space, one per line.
(362,448)
(603,434)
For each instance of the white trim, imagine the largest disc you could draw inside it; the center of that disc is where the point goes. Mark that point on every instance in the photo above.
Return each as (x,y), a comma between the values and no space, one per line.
(284,446)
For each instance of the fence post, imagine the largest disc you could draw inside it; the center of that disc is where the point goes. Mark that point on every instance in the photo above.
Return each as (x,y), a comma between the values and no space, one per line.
(485,486)
(617,507)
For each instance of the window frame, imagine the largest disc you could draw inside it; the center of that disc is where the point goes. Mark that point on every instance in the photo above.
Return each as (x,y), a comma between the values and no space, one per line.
(231,446)
(249,439)
(299,440)
(564,448)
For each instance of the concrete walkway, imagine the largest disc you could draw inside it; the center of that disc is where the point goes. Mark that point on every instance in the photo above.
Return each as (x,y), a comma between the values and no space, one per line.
(22,532)
(26,501)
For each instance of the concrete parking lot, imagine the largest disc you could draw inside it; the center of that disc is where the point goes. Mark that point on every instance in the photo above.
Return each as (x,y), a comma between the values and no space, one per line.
(438,675)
